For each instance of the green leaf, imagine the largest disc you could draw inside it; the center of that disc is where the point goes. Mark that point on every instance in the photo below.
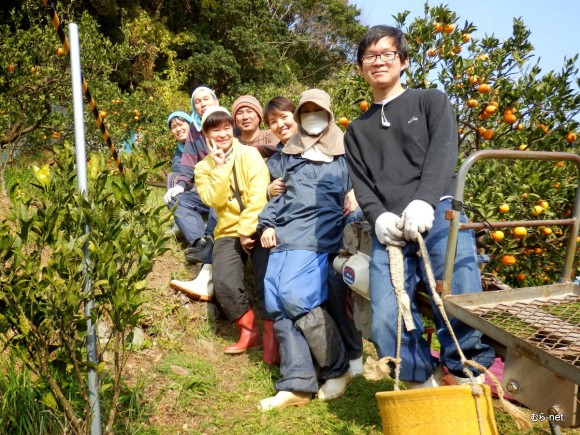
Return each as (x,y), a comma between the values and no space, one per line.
(50,401)
(23,324)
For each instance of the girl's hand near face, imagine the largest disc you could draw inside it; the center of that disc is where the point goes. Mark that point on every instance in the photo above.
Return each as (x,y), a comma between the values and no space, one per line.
(217,154)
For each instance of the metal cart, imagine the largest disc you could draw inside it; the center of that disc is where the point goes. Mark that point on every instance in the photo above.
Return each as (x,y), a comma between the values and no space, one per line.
(535,329)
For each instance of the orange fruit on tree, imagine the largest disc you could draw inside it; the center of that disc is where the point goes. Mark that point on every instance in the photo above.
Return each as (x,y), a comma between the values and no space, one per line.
(509,118)
(473,79)
(504,208)
(543,203)
(523,147)
(537,210)
(490,109)
(559,164)
(432,52)
(520,127)
(343,121)
(521,276)
(520,232)
(472,102)
(508,260)
(547,231)
(364,105)
(437,27)
(55,134)
(60,51)
(556,185)
(11,68)
(466,37)
(571,137)
(103,114)
(483,88)
(448,28)
(497,235)
(488,134)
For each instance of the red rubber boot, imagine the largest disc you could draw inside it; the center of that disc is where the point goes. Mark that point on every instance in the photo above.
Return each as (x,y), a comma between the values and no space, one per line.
(249,334)
(271,352)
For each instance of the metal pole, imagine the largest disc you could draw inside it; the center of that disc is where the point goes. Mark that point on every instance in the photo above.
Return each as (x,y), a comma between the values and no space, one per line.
(81,164)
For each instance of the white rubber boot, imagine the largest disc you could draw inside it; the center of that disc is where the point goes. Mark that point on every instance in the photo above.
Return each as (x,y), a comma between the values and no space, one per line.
(355,367)
(479,380)
(200,288)
(431,382)
(284,399)
(333,388)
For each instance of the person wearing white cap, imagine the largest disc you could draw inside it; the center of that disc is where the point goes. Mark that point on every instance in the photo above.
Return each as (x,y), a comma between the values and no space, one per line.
(233,180)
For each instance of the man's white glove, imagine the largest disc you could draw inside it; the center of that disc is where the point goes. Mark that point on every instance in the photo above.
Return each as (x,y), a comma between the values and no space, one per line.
(387,231)
(174,191)
(417,218)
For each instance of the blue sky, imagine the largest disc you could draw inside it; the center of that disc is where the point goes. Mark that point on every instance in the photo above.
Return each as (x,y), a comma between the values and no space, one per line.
(555,25)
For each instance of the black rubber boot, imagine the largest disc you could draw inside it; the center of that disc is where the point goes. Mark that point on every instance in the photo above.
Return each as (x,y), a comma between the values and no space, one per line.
(199,250)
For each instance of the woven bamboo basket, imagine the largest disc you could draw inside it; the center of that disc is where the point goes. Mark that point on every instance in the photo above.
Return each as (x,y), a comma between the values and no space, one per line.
(442,410)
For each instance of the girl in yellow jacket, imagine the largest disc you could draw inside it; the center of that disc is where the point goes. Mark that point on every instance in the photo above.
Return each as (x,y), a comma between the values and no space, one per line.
(233,179)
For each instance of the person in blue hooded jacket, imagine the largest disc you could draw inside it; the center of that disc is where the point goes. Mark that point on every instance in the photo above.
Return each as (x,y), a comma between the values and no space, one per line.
(178,124)
(302,226)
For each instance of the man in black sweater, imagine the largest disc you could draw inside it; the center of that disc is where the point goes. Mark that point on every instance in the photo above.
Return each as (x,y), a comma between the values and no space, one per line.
(401,156)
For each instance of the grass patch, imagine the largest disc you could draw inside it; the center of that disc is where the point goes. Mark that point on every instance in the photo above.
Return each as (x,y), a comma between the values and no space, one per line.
(192,378)
(22,404)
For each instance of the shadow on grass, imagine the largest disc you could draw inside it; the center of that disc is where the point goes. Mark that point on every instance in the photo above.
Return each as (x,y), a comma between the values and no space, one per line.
(358,407)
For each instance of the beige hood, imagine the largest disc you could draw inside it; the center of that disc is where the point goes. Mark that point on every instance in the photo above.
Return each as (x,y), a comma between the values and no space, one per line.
(330,140)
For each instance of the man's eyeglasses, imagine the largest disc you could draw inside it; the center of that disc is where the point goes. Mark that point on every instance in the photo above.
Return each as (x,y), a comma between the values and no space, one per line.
(387,56)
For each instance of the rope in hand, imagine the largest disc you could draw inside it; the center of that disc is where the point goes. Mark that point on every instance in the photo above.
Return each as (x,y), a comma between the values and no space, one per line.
(57,24)
(375,370)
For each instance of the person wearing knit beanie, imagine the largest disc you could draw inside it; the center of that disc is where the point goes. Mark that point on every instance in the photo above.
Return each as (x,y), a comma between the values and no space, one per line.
(247,114)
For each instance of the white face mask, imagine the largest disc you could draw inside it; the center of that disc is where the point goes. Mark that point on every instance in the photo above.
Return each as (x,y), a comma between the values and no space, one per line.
(314,122)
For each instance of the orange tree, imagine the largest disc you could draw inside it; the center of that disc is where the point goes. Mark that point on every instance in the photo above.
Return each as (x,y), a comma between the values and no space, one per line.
(503,101)
(35,84)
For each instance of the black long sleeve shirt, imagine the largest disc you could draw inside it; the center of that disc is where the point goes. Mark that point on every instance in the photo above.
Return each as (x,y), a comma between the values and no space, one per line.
(413,158)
